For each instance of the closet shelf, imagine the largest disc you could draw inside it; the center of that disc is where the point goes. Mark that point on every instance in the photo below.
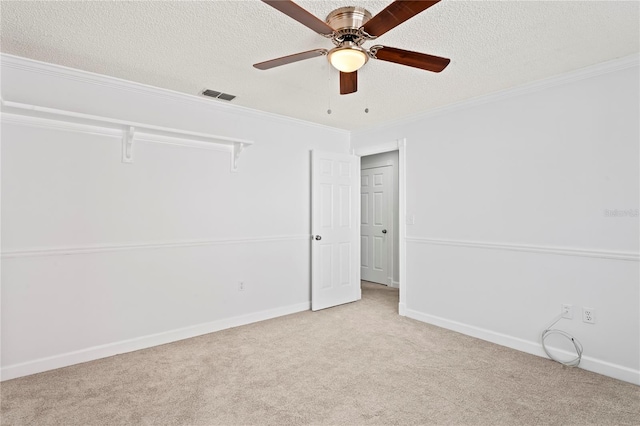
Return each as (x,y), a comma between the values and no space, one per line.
(128,129)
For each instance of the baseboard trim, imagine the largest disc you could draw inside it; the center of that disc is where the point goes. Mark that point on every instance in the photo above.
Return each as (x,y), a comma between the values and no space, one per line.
(103,351)
(66,251)
(588,363)
(563,251)
(402,309)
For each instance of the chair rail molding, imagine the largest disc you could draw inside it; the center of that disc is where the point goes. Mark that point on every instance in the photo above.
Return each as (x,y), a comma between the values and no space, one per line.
(130,131)
(563,251)
(151,245)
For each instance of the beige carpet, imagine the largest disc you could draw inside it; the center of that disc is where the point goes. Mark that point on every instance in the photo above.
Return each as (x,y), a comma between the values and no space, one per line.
(356,364)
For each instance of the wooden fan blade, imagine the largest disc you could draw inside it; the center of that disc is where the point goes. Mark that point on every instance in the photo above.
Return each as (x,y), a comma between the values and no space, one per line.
(412,59)
(289,59)
(395,14)
(301,15)
(348,82)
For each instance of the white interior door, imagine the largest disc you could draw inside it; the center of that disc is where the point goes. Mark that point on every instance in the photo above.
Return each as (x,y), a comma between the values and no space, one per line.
(335,275)
(375,221)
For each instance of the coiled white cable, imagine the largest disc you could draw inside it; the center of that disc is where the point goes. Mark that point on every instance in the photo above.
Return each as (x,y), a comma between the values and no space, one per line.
(577,345)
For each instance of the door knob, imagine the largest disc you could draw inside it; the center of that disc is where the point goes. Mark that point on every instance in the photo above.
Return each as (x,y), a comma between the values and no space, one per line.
(384,231)
(318,237)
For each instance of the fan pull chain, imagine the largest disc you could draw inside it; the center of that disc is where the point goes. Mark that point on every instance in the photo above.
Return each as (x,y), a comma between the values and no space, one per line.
(366,102)
(329,91)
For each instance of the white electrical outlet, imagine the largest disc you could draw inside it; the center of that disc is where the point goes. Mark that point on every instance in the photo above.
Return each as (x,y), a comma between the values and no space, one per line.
(241,286)
(567,311)
(588,315)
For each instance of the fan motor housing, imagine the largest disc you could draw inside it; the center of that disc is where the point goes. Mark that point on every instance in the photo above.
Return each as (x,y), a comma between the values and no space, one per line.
(346,21)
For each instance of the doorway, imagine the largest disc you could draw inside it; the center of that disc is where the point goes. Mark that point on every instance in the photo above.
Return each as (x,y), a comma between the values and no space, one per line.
(342,261)
(379,199)
(399,146)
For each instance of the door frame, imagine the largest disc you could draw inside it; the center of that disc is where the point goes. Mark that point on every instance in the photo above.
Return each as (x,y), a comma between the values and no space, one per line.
(399,145)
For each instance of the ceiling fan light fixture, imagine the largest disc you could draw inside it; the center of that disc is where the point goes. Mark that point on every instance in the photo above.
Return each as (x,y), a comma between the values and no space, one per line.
(348,58)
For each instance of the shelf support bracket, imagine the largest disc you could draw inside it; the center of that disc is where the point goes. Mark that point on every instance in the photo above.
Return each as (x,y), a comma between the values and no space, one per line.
(127,144)
(236,150)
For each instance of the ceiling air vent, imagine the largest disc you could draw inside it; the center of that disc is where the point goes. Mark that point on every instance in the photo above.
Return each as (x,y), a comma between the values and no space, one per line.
(217,95)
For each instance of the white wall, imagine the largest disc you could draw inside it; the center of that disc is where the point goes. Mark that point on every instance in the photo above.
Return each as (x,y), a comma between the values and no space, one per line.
(376,160)
(101,257)
(509,195)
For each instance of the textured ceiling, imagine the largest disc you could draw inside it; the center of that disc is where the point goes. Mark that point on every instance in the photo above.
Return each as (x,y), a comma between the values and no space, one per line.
(187,46)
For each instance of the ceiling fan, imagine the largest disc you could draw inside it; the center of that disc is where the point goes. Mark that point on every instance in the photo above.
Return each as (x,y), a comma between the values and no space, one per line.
(348,28)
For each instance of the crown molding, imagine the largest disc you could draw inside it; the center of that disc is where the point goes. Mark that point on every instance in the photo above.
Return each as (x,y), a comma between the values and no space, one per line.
(527,88)
(87,77)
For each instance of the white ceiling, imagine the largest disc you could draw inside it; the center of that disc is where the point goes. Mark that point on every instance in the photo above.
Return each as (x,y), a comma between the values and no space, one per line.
(187,46)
